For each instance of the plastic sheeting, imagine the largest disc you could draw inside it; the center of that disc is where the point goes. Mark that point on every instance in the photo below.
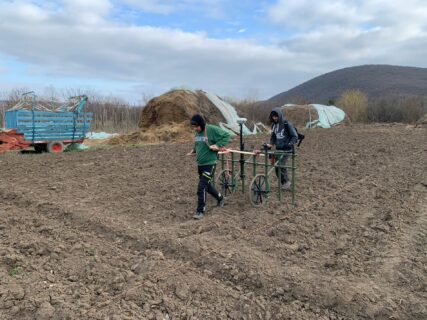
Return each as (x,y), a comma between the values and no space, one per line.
(100,135)
(328,116)
(260,127)
(229,113)
(76,147)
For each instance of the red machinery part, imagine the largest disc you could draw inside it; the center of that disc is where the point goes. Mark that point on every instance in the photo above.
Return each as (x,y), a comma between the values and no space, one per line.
(10,140)
(55,147)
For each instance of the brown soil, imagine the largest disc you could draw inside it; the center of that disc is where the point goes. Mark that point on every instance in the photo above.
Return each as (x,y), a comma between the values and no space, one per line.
(107,234)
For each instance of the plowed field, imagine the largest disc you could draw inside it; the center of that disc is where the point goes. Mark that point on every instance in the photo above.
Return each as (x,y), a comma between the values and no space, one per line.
(108,234)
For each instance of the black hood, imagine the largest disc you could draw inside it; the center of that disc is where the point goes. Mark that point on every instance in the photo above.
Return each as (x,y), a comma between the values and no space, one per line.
(279,112)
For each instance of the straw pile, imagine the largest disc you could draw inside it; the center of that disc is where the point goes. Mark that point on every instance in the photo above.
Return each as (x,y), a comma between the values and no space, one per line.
(166,118)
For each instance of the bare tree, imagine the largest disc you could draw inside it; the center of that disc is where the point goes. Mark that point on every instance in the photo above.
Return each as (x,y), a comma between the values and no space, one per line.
(355,104)
(109,113)
(397,109)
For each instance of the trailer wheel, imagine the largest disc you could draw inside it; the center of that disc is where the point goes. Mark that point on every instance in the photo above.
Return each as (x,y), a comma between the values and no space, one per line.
(226,183)
(258,190)
(55,147)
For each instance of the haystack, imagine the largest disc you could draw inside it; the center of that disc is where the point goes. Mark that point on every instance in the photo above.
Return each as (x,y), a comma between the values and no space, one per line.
(166,118)
(178,106)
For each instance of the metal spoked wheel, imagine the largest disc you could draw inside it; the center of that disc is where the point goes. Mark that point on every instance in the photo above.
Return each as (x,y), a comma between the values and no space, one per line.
(226,183)
(258,190)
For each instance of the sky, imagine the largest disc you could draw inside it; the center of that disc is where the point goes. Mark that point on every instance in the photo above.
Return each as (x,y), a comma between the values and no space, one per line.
(254,49)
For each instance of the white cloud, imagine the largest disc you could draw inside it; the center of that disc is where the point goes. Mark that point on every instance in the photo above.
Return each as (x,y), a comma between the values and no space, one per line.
(306,15)
(22,11)
(100,7)
(78,39)
(354,32)
(210,7)
(85,12)
(154,6)
(162,57)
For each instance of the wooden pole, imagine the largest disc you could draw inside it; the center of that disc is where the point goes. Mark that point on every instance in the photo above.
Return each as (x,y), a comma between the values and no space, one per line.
(241,152)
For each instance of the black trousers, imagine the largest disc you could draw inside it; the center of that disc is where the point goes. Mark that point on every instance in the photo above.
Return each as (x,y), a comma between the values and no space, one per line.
(205,186)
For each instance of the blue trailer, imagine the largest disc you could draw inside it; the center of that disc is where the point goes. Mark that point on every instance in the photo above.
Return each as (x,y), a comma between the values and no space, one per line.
(45,130)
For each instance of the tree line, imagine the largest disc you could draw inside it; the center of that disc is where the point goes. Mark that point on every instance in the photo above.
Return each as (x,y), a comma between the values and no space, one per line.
(391,108)
(357,105)
(113,114)
(110,113)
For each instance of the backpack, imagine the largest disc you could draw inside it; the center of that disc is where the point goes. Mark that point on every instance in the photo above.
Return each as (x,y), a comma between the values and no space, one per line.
(300,136)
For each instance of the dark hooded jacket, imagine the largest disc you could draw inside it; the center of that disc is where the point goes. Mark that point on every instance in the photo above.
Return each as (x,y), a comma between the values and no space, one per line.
(283,133)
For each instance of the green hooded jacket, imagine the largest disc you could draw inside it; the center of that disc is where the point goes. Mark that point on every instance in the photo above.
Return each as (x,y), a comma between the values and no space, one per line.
(210,136)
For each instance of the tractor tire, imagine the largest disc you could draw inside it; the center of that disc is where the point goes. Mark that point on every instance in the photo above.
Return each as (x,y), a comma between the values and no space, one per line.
(55,147)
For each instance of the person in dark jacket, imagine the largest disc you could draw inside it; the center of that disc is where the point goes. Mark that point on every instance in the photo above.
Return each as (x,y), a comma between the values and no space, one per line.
(209,139)
(284,137)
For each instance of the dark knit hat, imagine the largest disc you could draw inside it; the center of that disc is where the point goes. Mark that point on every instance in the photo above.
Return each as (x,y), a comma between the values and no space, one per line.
(197,120)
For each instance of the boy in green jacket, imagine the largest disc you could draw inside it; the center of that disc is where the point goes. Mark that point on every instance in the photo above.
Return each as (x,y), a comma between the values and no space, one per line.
(209,140)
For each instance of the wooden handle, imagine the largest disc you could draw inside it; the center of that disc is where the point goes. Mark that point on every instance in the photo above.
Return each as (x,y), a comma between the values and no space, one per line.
(241,152)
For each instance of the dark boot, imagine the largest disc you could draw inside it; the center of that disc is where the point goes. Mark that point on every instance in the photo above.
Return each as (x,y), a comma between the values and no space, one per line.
(220,201)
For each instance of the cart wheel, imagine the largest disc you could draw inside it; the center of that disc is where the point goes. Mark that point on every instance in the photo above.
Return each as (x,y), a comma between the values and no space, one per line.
(258,190)
(55,147)
(226,183)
